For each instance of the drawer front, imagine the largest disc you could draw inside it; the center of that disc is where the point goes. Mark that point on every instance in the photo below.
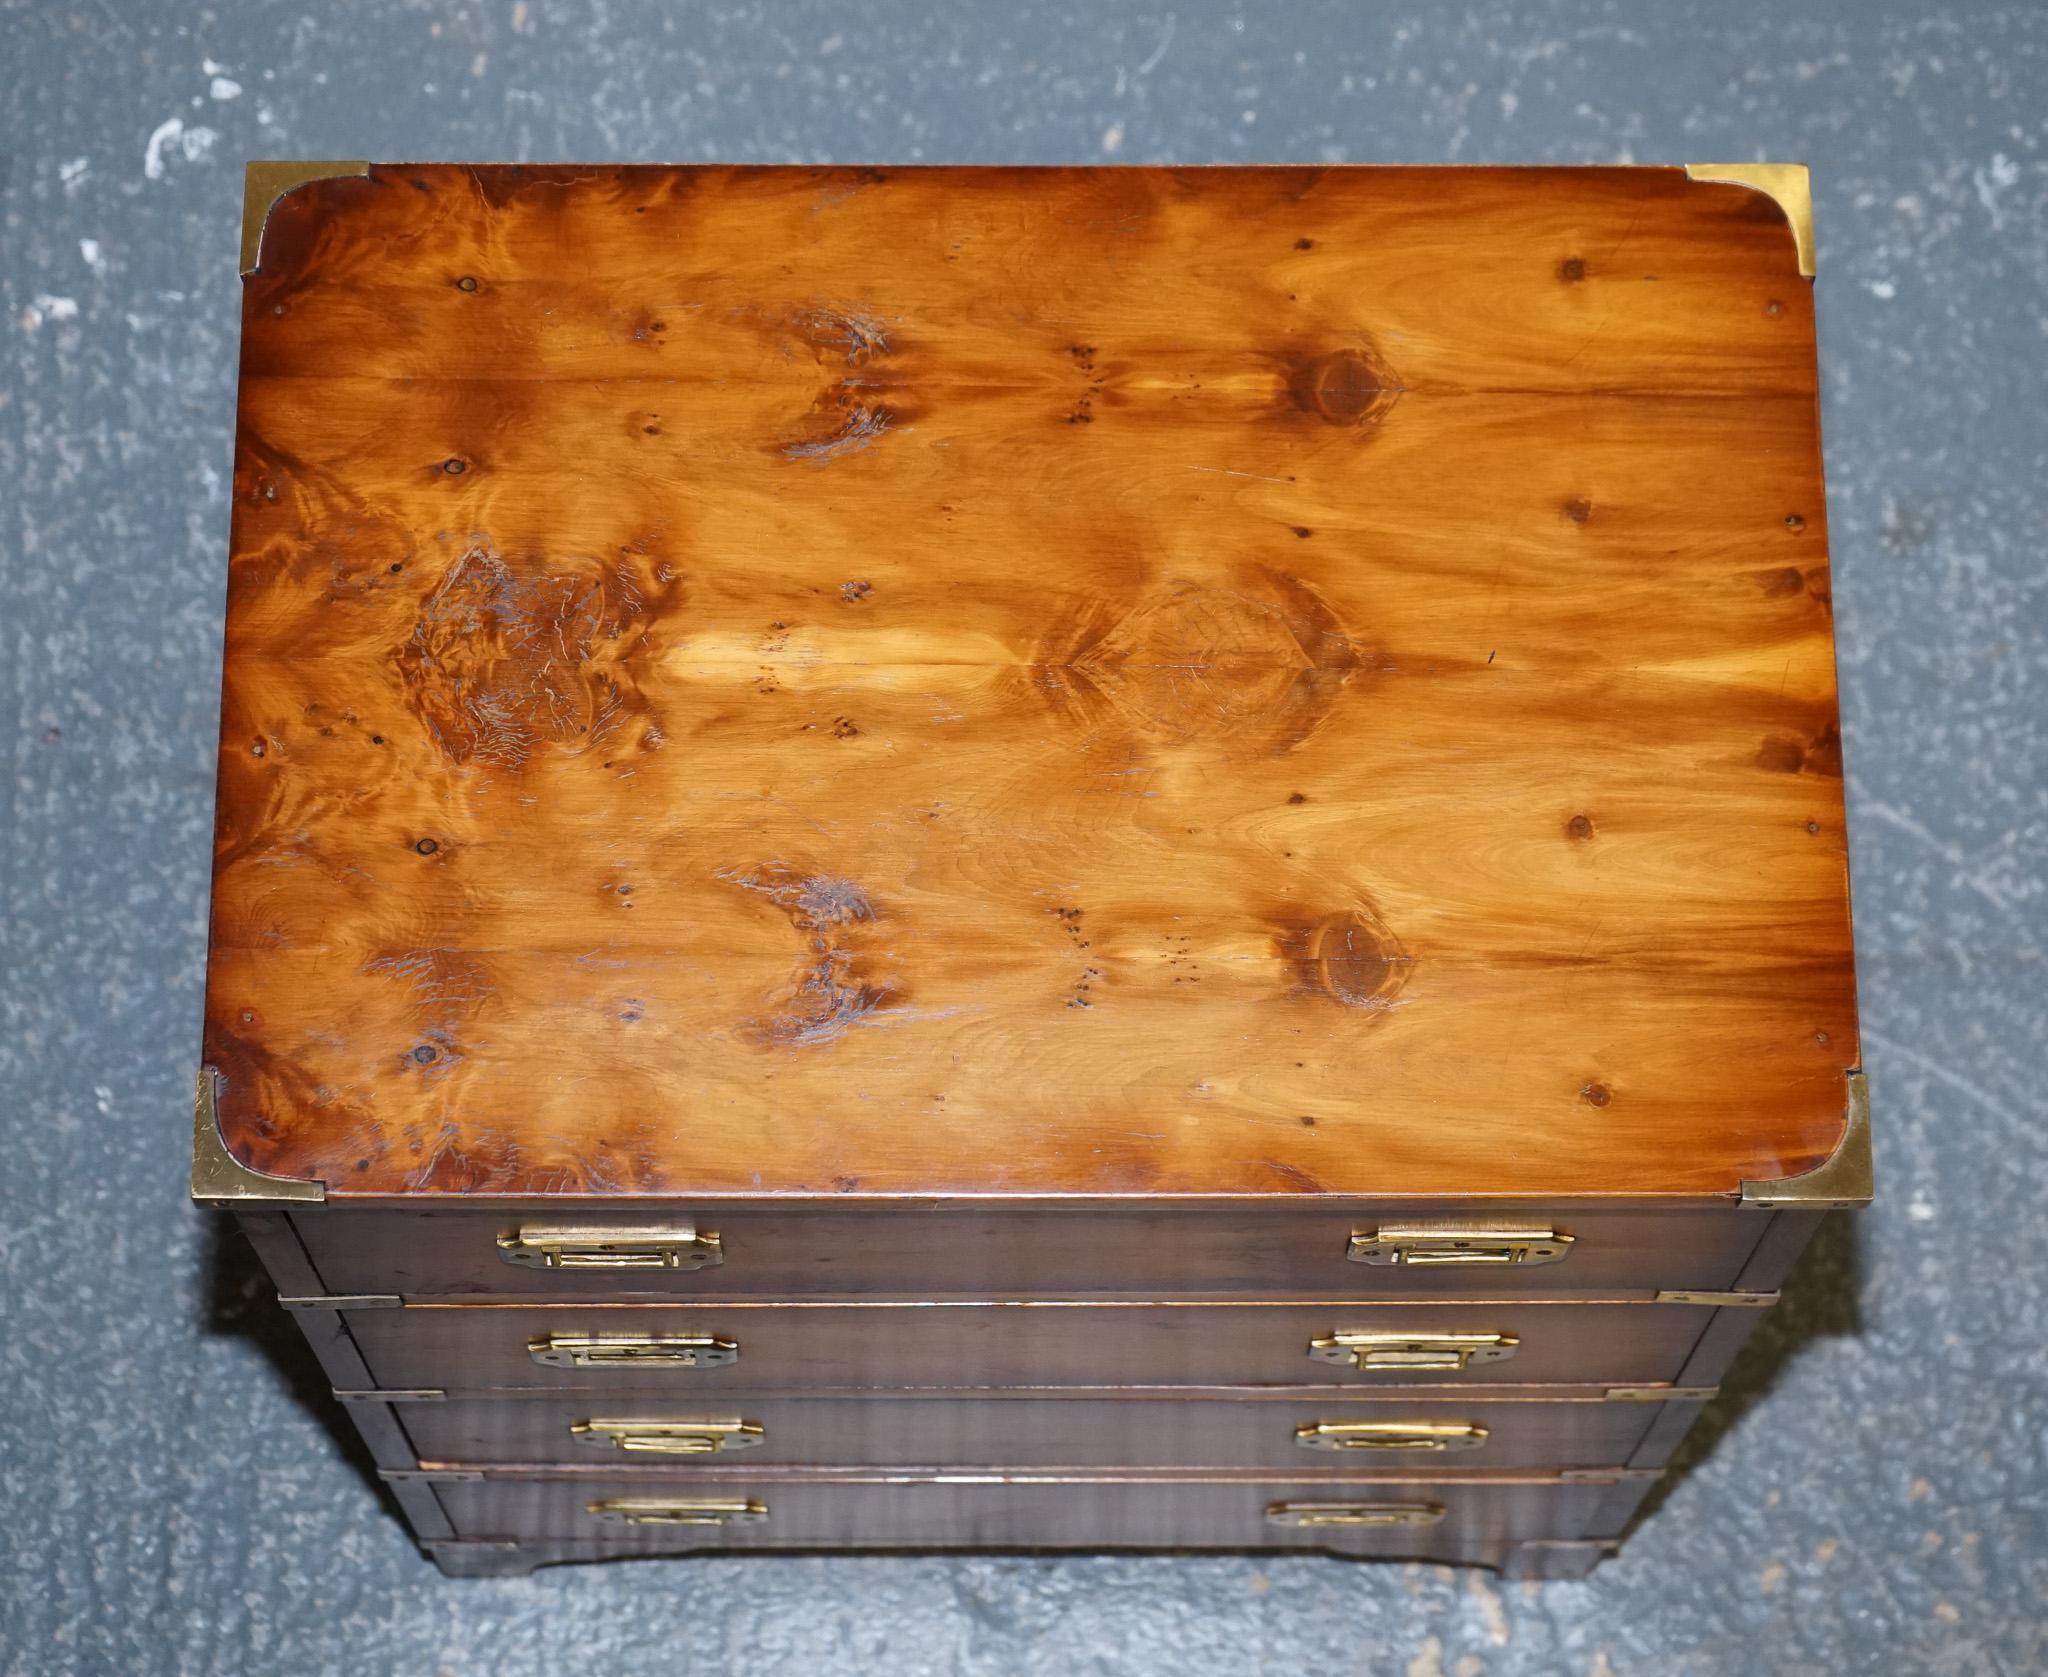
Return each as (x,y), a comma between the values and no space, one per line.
(1127,1250)
(1020,1345)
(742,1433)
(1463,1521)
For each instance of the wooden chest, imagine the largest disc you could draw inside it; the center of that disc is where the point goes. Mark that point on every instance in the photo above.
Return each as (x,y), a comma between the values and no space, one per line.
(1080,857)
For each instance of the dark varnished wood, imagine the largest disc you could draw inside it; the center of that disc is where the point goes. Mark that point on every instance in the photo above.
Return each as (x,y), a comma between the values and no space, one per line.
(1256,1247)
(275,1242)
(1091,1511)
(1045,1344)
(480,1558)
(1123,1430)
(948,682)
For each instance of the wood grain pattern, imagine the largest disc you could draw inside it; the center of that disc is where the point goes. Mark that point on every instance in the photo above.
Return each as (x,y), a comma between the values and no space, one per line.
(1012,682)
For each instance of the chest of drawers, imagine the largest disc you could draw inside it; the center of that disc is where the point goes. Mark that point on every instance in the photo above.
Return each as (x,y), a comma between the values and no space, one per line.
(1028,858)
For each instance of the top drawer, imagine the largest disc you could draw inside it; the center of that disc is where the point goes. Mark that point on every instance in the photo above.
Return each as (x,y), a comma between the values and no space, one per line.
(1071,1250)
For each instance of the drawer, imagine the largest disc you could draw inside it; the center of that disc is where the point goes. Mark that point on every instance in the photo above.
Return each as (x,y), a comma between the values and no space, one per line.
(1376,1515)
(1142,1249)
(743,1432)
(692,1348)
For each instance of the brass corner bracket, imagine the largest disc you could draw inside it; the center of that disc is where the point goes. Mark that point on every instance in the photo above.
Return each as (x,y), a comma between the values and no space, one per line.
(265,183)
(1840,1182)
(1786,184)
(218,1177)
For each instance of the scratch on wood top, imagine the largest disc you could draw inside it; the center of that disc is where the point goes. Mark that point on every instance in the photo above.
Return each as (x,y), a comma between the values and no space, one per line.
(834,989)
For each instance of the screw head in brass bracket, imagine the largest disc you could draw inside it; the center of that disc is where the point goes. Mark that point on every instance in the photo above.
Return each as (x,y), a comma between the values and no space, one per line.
(1840,1182)
(218,1177)
(266,182)
(1786,184)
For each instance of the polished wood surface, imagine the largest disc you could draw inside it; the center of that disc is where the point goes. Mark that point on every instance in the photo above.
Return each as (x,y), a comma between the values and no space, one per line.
(776,681)
(1261,1248)
(1096,1512)
(795,1346)
(1010,1431)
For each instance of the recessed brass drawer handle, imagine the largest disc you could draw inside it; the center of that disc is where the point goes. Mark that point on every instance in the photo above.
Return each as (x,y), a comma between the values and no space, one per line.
(589,1246)
(628,1350)
(1354,1513)
(1372,1352)
(678,1511)
(1390,1435)
(669,1438)
(1417,1244)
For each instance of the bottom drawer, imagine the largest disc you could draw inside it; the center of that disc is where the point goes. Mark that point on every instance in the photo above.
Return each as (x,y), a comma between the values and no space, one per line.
(1384,1515)
(461,1557)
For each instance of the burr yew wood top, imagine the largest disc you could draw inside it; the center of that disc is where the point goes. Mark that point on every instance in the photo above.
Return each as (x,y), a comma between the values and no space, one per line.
(772,681)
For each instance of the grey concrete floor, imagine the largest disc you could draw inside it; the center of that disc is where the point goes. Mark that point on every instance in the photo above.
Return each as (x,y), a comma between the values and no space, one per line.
(1869,1496)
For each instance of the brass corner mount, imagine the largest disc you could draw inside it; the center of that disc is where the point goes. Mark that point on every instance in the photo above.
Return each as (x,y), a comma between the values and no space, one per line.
(221,1179)
(1786,184)
(1840,1182)
(266,182)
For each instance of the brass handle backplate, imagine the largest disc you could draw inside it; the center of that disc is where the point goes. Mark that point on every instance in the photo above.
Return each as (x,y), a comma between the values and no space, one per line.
(1390,1435)
(678,1511)
(1354,1513)
(1396,1352)
(627,1350)
(668,1438)
(1415,1245)
(589,1246)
